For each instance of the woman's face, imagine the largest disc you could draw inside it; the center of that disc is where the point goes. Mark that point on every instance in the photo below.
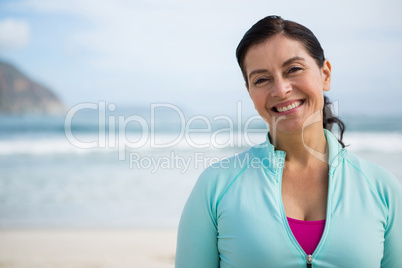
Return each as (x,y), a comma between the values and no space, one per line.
(285,83)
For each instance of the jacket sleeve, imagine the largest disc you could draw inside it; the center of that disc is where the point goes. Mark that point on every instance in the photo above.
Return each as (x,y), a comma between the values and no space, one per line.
(197,233)
(393,233)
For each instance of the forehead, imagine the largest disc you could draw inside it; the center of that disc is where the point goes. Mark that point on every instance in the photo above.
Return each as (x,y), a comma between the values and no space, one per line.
(273,52)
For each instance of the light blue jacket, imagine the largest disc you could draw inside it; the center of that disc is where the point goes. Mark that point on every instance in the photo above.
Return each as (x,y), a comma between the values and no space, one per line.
(235,217)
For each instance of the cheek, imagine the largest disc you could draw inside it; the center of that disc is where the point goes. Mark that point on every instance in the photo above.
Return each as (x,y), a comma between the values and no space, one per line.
(312,86)
(259,98)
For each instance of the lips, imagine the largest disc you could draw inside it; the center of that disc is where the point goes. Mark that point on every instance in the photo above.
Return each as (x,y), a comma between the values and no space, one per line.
(283,107)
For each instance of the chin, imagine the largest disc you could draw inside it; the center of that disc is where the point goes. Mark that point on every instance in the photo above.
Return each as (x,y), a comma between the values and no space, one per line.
(287,127)
(293,130)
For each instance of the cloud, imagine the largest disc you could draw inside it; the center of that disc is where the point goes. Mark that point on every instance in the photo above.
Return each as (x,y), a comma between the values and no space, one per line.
(178,49)
(14,34)
(179,37)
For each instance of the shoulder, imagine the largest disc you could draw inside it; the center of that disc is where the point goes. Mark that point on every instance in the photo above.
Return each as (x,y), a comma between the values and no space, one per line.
(220,174)
(213,182)
(371,170)
(381,180)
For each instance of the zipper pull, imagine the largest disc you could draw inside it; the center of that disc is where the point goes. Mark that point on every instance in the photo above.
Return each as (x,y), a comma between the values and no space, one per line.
(309,259)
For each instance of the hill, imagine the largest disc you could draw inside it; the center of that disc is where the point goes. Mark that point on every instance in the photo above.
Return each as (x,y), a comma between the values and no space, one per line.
(21,95)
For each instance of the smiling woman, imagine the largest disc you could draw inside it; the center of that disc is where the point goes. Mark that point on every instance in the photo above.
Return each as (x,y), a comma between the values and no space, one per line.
(283,80)
(300,198)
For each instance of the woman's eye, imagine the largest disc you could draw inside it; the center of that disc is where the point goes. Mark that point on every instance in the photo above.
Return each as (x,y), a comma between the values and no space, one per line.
(260,81)
(294,69)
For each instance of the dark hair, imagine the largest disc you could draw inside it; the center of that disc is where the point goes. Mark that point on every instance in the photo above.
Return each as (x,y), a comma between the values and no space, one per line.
(273,25)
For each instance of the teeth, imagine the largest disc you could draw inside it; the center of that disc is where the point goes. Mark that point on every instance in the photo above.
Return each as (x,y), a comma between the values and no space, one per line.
(289,107)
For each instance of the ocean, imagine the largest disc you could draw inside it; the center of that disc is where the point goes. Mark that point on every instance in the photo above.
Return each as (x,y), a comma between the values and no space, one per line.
(101,169)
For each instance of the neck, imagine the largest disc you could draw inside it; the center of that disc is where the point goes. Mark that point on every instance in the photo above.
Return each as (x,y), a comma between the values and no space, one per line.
(296,145)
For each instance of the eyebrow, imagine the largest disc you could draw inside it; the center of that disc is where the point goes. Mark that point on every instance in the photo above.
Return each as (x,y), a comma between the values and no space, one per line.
(287,62)
(258,71)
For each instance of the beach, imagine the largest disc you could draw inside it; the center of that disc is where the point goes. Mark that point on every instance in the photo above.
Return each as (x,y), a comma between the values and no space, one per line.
(87,248)
(119,206)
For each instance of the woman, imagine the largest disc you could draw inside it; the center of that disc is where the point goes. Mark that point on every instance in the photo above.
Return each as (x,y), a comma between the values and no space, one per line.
(300,199)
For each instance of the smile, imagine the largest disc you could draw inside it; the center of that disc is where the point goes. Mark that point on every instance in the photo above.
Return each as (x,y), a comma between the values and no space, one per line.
(288,107)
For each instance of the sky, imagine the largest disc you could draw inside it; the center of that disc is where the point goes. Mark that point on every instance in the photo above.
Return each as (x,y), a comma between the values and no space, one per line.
(134,53)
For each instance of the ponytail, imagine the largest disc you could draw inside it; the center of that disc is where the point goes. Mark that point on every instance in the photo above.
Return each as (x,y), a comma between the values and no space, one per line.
(329,119)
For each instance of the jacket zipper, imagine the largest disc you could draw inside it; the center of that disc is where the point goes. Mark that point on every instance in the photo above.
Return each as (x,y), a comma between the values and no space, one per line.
(309,259)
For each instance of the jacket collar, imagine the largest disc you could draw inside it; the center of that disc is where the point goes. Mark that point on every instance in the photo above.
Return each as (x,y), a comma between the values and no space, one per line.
(272,159)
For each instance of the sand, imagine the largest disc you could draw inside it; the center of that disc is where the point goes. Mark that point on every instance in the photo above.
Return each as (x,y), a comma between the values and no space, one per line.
(87,248)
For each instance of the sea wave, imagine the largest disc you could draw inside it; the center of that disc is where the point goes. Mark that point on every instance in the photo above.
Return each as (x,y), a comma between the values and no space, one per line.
(374,142)
(84,144)
(27,145)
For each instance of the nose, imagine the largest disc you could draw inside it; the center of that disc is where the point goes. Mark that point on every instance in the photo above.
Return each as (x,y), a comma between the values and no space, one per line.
(281,88)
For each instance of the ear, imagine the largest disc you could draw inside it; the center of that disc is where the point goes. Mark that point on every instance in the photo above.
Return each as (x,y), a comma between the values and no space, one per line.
(326,75)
